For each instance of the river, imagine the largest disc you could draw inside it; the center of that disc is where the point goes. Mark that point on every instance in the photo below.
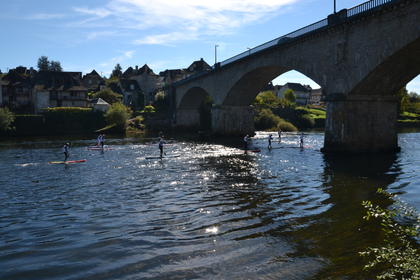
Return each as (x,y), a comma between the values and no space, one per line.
(211,213)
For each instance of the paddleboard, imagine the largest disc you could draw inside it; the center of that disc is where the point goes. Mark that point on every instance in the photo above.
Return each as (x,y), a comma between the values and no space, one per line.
(253,150)
(68,161)
(168,156)
(95,148)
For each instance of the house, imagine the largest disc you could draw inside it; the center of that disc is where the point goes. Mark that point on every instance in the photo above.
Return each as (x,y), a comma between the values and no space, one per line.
(198,66)
(170,76)
(301,92)
(16,90)
(146,79)
(93,81)
(100,105)
(59,89)
(132,93)
(316,97)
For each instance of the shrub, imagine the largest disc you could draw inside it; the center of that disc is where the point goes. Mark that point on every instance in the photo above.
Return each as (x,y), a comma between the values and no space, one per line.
(118,114)
(72,120)
(108,95)
(6,119)
(399,258)
(266,120)
(286,126)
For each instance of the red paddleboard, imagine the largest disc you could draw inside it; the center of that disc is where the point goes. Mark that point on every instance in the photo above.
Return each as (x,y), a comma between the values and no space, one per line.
(68,161)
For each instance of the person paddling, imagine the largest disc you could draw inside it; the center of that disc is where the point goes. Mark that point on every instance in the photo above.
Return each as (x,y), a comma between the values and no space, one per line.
(102,140)
(270,138)
(301,140)
(66,148)
(279,132)
(161,142)
(246,139)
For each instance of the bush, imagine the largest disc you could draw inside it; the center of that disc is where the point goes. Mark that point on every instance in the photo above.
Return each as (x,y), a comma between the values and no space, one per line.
(399,257)
(72,120)
(266,120)
(6,119)
(108,95)
(286,126)
(118,114)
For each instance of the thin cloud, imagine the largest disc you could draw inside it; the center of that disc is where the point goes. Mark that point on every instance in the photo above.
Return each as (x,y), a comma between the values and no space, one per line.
(118,59)
(181,20)
(44,16)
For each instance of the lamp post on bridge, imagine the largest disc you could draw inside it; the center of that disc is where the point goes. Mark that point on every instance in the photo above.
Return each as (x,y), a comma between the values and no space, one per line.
(215,53)
(249,51)
(335,10)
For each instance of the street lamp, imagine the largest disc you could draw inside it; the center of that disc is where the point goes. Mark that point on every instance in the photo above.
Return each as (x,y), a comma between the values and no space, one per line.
(249,51)
(215,53)
(334,7)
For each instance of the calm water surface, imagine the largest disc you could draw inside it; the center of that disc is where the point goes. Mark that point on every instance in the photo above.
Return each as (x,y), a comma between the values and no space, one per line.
(211,213)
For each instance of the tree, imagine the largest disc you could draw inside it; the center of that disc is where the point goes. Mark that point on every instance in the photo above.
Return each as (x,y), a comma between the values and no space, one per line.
(6,119)
(108,95)
(117,71)
(118,114)
(43,63)
(55,66)
(290,96)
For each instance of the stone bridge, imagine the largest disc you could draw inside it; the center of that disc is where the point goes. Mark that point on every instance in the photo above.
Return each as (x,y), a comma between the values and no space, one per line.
(360,57)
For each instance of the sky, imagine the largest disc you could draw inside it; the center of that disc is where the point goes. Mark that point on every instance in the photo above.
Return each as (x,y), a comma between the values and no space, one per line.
(165,34)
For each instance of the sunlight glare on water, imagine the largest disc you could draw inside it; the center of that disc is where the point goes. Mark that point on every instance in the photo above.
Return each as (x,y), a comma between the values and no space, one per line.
(213,212)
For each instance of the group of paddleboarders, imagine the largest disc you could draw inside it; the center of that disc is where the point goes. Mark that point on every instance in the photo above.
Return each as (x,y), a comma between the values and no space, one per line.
(247,138)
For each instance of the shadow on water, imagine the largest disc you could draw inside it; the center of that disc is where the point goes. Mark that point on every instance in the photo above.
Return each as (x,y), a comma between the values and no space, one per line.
(340,233)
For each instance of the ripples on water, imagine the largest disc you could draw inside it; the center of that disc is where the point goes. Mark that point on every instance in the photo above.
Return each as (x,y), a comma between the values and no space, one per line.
(212,213)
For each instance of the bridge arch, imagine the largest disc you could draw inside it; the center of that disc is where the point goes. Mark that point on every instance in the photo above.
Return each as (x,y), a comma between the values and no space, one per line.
(247,87)
(194,109)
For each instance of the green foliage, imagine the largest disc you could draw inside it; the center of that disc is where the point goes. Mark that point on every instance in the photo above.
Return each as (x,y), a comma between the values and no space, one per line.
(6,119)
(117,72)
(267,98)
(266,120)
(65,120)
(399,258)
(161,103)
(118,114)
(290,96)
(67,110)
(45,65)
(148,109)
(286,126)
(108,95)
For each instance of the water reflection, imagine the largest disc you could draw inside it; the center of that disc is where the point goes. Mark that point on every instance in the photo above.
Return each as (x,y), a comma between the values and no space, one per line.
(212,213)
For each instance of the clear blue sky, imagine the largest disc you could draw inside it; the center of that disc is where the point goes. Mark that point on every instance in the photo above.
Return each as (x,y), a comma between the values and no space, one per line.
(166,34)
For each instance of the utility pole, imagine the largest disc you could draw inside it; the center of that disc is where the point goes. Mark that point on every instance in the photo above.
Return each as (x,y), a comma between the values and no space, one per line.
(215,53)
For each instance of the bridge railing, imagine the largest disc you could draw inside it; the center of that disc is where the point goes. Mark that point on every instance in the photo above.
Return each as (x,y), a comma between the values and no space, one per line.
(364,7)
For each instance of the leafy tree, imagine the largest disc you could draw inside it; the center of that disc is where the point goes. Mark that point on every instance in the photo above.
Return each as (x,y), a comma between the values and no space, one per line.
(399,257)
(118,114)
(6,119)
(290,96)
(108,95)
(55,66)
(43,63)
(267,98)
(117,72)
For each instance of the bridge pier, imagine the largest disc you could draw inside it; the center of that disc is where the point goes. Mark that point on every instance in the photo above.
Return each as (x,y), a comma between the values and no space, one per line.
(188,118)
(232,120)
(361,124)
